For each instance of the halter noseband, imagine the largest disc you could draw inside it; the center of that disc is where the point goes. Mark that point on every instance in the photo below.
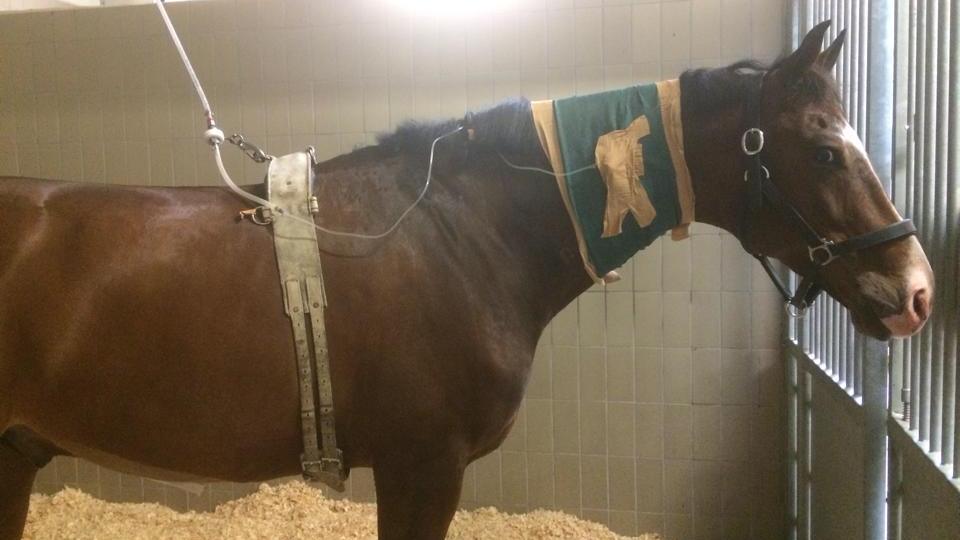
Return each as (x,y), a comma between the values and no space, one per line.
(821,251)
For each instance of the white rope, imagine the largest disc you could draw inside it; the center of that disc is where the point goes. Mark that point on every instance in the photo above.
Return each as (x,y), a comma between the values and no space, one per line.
(236,188)
(186,63)
(213,134)
(215,137)
(389,231)
(544,171)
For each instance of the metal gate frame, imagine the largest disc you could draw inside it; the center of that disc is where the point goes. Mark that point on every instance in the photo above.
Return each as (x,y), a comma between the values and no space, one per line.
(839,382)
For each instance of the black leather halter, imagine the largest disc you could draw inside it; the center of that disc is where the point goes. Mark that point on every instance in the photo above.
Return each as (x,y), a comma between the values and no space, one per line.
(761,190)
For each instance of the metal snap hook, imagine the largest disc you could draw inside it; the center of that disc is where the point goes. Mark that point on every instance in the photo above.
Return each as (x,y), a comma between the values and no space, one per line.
(752,132)
(795,312)
(763,168)
(260,215)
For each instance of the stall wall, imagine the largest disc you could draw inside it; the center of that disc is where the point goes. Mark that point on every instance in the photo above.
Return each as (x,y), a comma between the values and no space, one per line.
(656,404)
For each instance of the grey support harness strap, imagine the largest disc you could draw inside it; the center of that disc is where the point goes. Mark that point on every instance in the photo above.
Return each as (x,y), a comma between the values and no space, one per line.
(289,182)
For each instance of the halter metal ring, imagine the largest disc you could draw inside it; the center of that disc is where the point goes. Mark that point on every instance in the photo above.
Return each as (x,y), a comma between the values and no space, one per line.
(822,255)
(763,168)
(752,132)
(794,311)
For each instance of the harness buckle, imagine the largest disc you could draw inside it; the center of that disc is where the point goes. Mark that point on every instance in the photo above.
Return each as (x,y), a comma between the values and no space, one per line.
(757,134)
(827,256)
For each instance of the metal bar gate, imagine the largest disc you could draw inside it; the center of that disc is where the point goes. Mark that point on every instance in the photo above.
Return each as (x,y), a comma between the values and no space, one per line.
(872,439)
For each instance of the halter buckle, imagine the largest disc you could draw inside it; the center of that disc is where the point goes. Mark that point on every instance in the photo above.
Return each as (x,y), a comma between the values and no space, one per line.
(827,256)
(757,133)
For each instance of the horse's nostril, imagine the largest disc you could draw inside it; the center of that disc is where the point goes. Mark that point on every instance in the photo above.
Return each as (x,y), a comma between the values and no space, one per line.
(921,304)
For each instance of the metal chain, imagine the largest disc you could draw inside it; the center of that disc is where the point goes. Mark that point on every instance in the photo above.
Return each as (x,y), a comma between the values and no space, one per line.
(251,150)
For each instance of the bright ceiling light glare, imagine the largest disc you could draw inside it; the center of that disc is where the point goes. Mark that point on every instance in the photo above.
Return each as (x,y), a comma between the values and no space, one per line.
(452,7)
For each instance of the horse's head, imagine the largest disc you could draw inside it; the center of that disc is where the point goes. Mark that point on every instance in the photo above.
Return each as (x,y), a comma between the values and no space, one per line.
(819,165)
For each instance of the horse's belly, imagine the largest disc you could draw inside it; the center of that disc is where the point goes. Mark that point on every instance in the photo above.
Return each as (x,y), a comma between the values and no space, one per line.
(158,343)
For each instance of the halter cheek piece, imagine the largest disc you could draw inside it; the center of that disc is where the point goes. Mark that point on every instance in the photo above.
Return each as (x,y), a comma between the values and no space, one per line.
(761,190)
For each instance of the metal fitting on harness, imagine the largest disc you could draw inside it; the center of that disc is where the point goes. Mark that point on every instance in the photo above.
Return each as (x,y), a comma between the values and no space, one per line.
(329,470)
(763,169)
(260,215)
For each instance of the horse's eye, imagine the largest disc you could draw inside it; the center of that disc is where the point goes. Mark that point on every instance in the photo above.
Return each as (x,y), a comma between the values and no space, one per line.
(825,155)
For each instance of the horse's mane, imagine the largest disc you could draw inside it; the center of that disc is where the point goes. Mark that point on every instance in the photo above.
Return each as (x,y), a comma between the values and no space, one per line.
(708,89)
(508,126)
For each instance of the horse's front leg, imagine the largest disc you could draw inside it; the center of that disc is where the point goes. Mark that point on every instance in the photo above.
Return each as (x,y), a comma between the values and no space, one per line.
(16,479)
(416,500)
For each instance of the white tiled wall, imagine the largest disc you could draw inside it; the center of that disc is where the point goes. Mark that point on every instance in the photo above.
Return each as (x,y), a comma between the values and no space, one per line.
(655,404)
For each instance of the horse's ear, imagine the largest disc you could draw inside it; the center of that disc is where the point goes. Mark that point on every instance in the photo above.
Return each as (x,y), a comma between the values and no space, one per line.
(828,58)
(793,66)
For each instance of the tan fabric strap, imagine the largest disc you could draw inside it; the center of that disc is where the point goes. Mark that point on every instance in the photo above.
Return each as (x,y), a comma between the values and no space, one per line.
(671,115)
(546,124)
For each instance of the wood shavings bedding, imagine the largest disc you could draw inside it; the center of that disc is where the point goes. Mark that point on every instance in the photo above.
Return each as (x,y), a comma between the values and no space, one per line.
(290,511)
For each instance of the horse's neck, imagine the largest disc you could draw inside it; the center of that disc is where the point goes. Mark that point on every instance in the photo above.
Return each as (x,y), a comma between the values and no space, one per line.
(712,150)
(527,237)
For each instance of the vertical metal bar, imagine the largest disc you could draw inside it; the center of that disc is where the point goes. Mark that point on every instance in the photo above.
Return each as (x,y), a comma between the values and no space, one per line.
(842,349)
(903,195)
(851,47)
(836,6)
(808,454)
(837,318)
(952,344)
(821,334)
(797,332)
(832,338)
(793,446)
(848,352)
(920,136)
(946,367)
(858,360)
(804,325)
(827,337)
(792,21)
(918,26)
(895,510)
(856,53)
(814,332)
(935,217)
(838,25)
(838,345)
(929,411)
(878,121)
(863,76)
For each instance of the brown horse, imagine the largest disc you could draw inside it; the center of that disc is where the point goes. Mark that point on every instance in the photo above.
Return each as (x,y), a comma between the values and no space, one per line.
(143,328)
